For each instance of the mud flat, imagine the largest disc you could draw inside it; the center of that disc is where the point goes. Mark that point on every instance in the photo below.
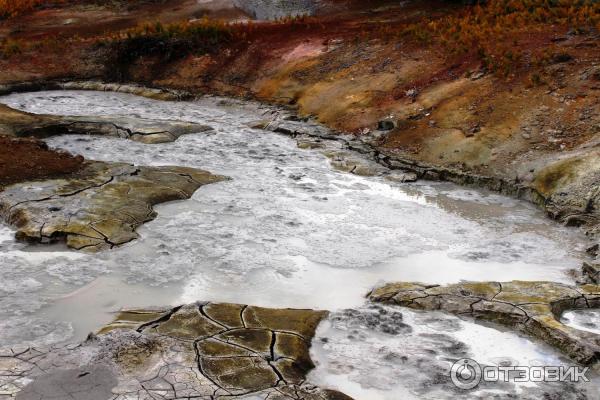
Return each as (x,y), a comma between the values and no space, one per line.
(308,223)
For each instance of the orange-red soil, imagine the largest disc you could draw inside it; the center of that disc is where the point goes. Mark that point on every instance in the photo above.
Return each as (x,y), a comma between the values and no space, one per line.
(30,159)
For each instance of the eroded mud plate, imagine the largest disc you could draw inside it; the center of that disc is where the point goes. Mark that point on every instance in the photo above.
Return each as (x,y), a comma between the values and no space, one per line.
(202,350)
(100,207)
(531,307)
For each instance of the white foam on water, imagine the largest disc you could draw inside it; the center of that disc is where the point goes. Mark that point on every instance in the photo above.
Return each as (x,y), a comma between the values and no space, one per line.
(6,234)
(389,353)
(584,320)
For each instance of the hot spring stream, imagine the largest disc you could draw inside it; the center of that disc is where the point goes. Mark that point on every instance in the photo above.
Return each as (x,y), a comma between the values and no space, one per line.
(290,231)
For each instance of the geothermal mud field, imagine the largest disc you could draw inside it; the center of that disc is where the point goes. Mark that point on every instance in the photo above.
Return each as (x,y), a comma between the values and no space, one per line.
(289,230)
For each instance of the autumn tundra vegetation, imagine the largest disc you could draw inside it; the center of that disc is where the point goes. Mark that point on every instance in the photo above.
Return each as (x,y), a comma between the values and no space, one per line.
(505,35)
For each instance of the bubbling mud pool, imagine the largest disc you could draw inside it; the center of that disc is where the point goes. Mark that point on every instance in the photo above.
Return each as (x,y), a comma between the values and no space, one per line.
(288,231)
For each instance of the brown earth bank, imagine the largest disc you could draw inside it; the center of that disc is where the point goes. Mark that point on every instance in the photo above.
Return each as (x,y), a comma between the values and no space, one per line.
(30,159)
(508,93)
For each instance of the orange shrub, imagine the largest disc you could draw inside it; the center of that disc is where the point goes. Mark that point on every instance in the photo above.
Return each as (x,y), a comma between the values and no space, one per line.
(12,8)
(493,30)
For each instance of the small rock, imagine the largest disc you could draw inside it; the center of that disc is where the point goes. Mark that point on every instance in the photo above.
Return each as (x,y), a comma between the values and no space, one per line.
(475,129)
(155,138)
(561,58)
(402,177)
(556,132)
(476,75)
(309,144)
(262,124)
(386,125)
(592,271)
(365,170)
(296,177)
(412,93)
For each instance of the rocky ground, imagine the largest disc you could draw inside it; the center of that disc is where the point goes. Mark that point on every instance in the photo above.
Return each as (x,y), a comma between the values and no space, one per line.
(200,350)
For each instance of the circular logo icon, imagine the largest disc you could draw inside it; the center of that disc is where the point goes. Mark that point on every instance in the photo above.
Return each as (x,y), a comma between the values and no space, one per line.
(466,373)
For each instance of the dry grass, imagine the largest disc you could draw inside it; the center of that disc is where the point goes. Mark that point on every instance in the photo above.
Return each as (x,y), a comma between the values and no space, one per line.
(164,42)
(179,39)
(501,33)
(172,40)
(13,8)
(10,48)
(504,36)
